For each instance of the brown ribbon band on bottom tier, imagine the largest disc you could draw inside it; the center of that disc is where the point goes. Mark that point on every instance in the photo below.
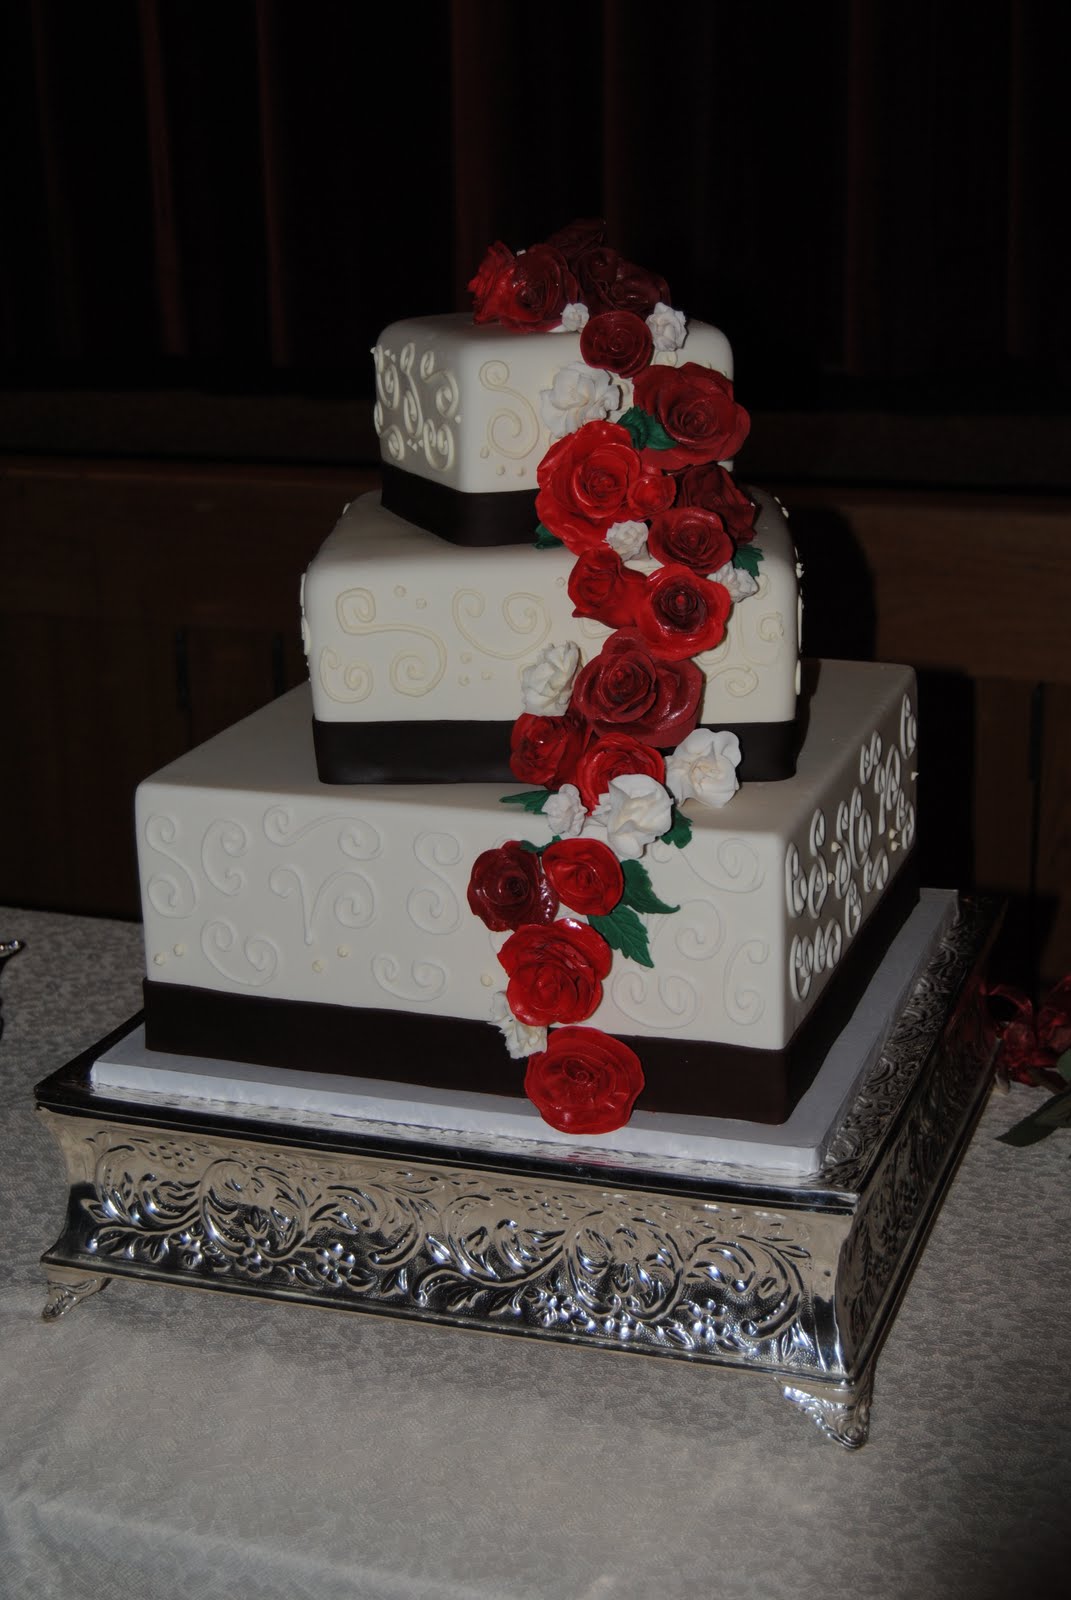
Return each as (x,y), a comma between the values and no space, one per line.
(686,1077)
(475,520)
(478,752)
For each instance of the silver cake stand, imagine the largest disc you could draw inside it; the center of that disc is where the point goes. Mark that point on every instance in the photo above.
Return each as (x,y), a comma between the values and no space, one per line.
(798,1279)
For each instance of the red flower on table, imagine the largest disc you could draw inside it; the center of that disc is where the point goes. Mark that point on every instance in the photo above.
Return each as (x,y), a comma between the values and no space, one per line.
(1032,1041)
(618,341)
(610,283)
(555,973)
(585,1081)
(714,489)
(545,750)
(690,536)
(585,874)
(697,410)
(508,887)
(593,478)
(601,586)
(626,689)
(529,291)
(683,614)
(611,756)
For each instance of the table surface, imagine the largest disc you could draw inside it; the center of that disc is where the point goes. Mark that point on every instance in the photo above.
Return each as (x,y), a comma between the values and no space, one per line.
(163,1443)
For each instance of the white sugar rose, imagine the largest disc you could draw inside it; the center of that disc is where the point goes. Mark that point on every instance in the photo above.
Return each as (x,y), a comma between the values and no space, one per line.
(629,539)
(574,317)
(579,394)
(547,682)
(634,811)
(565,812)
(703,767)
(521,1040)
(739,583)
(668,327)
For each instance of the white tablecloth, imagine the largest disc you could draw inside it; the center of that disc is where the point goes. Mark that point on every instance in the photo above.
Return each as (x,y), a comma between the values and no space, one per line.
(158,1443)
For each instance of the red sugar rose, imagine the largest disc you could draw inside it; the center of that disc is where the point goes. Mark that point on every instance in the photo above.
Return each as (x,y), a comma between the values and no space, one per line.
(715,489)
(684,614)
(555,974)
(618,341)
(625,689)
(610,283)
(586,875)
(591,479)
(508,887)
(544,750)
(601,586)
(611,756)
(578,236)
(697,410)
(528,292)
(585,1081)
(692,537)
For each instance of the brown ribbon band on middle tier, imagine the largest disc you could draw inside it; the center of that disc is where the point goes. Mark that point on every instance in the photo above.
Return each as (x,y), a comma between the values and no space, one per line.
(475,520)
(478,752)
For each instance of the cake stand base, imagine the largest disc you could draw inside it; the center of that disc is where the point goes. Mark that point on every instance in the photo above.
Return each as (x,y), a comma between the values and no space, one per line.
(798,1279)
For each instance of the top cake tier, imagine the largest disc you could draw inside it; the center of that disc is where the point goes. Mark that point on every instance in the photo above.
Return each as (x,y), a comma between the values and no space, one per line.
(470,410)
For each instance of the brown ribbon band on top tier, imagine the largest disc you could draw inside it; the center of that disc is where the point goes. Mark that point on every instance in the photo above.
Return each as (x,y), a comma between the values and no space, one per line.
(478,752)
(683,1076)
(475,520)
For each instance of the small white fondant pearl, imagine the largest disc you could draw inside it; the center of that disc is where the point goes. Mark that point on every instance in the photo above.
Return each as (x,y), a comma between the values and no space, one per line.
(159,960)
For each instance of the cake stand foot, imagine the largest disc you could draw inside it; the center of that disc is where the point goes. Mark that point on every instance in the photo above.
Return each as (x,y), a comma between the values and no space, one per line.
(840,1410)
(67,1289)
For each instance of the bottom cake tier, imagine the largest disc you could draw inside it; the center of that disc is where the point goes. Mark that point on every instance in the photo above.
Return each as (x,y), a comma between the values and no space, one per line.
(288,922)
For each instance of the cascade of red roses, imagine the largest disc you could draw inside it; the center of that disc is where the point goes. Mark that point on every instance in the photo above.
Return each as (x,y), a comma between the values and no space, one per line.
(632,477)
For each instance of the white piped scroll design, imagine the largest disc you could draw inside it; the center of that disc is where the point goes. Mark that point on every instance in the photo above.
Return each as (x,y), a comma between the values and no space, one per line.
(661,999)
(514,430)
(806,889)
(350,895)
(226,840)
(734,868)
(356,838)
(435,908)
(744,1005)
(908,727)
(426,979)
(171,894)
(251,962)
(811,955)
(524,615)
(415,669)
(416,407)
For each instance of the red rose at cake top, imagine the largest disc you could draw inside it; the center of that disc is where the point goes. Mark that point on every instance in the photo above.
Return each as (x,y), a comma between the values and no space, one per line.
(610,283)
(611,756)
(601,586)
(618,341)
(692,537)
(625,689)
(585,874)
(545,750)
(529,291)
(593,478)
(508,887)
(714,489)
(555,974)
(697,410)
(585,1081)
(580,235)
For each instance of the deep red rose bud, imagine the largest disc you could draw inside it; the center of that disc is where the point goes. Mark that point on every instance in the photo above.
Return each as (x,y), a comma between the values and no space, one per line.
(618,341)
(601,586)
(545,750)
(684,615)
(692,537)
(580,235)
(626,690)
(610,283)
(508,887)
(528,292)
(585,1081)
(585,874)
(697,410)
(585,483)
(483,285)
(555,974)
(714,489)
(611,756)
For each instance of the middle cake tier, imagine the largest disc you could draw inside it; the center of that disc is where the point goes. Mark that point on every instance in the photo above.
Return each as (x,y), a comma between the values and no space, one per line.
(300,925)
(416,649)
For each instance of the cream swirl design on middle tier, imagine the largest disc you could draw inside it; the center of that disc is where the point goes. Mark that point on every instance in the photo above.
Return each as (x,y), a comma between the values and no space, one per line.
(401,625)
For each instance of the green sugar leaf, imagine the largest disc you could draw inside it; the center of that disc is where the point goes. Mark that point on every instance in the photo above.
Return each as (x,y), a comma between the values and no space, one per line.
(1055,1113)
(747,558)
(545,540)
(624,931)
(530,800)
(644,430)
(638,891)
(680,833)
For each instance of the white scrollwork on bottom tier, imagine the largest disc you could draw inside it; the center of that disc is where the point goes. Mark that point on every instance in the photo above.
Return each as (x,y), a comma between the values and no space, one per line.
(812,955)
(422,982)
(251,962)
(744,1004)
(171,894)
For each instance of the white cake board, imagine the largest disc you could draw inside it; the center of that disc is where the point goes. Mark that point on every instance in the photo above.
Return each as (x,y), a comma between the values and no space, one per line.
(490,1122)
